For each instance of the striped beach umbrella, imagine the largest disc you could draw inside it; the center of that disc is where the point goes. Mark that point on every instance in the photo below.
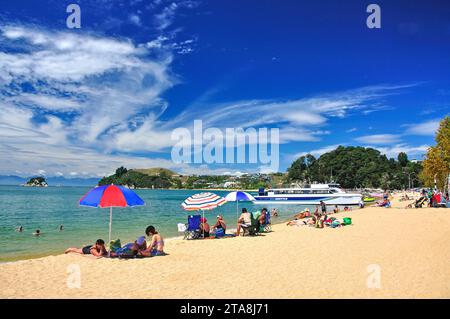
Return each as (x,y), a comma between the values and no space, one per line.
(203,201)
(109,196)
(239,197)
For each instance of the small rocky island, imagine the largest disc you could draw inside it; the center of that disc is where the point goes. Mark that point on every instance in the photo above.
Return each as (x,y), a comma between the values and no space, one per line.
(36,182)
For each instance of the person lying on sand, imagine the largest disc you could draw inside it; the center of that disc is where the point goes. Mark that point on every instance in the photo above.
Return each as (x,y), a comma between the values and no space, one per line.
(303,214)
(156,247)
(297,222)
(98,249)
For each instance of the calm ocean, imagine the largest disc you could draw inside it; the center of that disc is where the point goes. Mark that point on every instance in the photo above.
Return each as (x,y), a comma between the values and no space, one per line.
(47,208)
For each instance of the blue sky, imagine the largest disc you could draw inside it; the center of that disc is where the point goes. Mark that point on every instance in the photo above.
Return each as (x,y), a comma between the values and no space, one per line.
(80,102)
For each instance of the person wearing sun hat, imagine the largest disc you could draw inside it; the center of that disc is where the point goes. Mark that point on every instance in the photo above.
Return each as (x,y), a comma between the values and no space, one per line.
(220,227)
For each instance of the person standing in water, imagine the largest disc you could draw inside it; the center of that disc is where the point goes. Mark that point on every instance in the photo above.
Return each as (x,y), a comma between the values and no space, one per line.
(19,229)
(37,232)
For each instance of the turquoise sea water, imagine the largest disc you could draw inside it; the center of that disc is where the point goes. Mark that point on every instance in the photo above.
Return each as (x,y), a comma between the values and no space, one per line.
(47,208)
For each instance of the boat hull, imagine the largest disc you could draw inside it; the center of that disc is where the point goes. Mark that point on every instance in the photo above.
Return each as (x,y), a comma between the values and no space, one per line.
(351,200)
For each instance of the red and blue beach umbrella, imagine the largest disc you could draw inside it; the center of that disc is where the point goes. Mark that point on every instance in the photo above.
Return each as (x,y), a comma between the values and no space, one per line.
(111,196)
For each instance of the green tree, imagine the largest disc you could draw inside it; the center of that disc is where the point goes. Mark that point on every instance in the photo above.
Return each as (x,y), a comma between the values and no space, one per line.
(437,161)
(402,159)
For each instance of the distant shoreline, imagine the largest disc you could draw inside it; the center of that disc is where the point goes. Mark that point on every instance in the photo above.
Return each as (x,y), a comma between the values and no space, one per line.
(169,189)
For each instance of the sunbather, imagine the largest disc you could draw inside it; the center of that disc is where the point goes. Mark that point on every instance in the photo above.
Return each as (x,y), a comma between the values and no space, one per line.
(98,249)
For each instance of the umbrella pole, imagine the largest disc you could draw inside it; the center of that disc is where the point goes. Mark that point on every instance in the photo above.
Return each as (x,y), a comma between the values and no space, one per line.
(203,227)
(110,227)
(237,210)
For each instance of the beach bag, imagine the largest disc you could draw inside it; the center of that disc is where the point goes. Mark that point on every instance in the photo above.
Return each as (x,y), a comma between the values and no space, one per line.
(114,245)
(347,221)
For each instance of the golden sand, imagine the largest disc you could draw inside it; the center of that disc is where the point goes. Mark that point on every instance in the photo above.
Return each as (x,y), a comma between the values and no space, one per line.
(386,253)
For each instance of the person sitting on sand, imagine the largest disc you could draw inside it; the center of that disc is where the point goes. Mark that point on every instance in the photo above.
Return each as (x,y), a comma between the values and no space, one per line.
(204,227)
(262,217)
(156,247)
(336,209)
(245,220)
(98,249)
(220,226)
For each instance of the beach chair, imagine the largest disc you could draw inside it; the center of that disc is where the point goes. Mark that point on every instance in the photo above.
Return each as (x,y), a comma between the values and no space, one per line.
(253,228)
(192,227)
(266,227)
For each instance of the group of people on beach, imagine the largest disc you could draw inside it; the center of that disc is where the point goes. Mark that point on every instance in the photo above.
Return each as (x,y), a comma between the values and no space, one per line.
(138,248)
(320,218)
(244,221)
(428,198)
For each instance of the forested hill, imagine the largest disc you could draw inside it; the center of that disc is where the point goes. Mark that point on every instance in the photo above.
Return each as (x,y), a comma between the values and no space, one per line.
(354,167)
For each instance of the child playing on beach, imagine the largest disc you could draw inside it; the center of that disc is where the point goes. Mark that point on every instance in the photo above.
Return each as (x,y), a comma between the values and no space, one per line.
(156,247)
(98,249)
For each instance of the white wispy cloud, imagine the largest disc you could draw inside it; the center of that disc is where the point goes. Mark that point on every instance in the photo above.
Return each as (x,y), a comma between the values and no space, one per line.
(379,139)
(427,128)
(394,150)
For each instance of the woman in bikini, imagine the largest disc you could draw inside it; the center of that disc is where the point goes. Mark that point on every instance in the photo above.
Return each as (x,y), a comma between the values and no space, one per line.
(156,247)
(98,249)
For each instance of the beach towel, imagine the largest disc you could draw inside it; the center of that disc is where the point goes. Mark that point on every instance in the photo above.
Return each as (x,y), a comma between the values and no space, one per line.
(220,232)
(335,223)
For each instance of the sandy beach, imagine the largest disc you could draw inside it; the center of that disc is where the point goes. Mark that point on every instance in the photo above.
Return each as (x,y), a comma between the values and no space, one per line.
(408,250)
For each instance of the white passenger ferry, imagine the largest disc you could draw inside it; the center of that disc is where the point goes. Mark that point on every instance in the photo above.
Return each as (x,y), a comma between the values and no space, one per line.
(331,194)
